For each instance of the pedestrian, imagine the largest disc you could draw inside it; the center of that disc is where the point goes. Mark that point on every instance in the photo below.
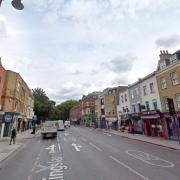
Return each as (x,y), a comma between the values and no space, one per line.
(13,136)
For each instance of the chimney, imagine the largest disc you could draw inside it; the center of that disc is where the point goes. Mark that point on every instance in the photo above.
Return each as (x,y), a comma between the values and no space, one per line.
(164,54)
(0,61)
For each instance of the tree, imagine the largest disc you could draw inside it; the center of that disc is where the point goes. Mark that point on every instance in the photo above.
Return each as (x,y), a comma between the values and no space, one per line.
(43,107)
(62,110)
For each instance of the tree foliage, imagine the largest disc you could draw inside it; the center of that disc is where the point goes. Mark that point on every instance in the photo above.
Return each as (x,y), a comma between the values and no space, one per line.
(43,107)
(62,110)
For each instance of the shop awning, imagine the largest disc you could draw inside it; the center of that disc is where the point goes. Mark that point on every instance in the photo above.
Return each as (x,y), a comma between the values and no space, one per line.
(111,119)
(156,116)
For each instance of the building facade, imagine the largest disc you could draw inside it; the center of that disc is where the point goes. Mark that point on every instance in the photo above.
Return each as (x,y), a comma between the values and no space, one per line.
(124,110)
(168,81)
(75,114)
(135,106)
(2,82)
(88,108)
(16,95)
(109,99)
(150,113)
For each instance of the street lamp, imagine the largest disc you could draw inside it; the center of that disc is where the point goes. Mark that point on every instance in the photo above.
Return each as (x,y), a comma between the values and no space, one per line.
(17,4)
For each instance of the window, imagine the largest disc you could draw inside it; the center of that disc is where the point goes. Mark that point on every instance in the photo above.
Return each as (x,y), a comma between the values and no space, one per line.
(147,105)
(178,100)
(151,85)
(136,92)
(139,107)
(18,87)
(125,97)
(134,108)
(163,83)
(132,95)
(122,100)
(155,104)
(166,103)
(144,90)
(174,78)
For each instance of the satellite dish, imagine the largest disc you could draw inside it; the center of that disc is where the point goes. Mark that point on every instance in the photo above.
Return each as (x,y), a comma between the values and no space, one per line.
(17,4)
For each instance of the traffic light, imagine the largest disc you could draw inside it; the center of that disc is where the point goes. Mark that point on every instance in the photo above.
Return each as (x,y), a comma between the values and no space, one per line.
(171,106)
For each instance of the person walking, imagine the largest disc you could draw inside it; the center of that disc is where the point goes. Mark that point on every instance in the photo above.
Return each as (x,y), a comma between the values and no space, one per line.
(13,136)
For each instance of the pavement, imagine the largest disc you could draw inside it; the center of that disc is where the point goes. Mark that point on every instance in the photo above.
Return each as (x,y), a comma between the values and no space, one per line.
(153,140)
(84,154)
(6,150)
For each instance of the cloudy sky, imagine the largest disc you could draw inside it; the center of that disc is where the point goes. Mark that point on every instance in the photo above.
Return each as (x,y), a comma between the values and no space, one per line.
(72,47)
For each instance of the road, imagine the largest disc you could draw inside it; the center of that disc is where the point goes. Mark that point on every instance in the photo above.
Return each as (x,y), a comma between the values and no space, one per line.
(85,154)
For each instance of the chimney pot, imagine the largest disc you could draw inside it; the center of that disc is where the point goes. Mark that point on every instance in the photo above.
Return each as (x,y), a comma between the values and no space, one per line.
(163,51)
(166,51)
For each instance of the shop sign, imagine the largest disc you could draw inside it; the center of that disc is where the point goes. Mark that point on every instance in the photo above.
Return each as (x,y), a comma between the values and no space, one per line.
(9,117)
(135,115)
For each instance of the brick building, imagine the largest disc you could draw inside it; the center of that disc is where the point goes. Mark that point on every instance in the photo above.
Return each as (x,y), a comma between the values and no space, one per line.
(168,81)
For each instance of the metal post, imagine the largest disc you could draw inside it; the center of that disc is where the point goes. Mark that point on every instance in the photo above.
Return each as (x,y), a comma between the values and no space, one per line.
(177,130)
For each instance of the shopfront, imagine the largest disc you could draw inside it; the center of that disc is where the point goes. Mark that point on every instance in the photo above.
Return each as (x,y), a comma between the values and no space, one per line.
(172,125)
(153,124)
(126,123)
(112,122)
(9,120)
(137,123)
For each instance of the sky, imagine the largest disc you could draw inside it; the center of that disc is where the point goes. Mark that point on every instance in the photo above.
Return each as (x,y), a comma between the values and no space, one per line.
(74,47)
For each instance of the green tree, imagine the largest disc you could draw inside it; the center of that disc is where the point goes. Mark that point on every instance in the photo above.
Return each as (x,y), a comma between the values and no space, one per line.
(43,107)
(62,110)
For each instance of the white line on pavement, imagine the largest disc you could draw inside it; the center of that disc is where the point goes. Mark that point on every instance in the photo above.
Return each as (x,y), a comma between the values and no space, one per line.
(107,134)
(99,149)
(129,168)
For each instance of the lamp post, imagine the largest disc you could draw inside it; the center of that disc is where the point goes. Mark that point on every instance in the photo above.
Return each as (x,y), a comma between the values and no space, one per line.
(17,4)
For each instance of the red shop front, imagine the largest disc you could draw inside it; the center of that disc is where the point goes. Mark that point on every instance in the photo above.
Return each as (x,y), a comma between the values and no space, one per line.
(153,124)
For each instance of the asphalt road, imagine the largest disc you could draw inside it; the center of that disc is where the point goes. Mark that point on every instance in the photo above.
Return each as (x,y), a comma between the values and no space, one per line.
(87,154)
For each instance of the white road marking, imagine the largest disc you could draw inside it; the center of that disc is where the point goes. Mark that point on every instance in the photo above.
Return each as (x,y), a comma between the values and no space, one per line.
(99,149)
(51,148)
(107,134)
(129,168)
(76,147)
(150,159)
(59,146)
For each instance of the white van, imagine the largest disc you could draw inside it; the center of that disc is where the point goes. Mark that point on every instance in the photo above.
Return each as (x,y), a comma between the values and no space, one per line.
(49,129)
(67,124)
(60,125)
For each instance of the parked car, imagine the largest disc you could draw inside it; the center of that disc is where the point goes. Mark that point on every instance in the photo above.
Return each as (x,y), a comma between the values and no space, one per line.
(60,125)
(49,129)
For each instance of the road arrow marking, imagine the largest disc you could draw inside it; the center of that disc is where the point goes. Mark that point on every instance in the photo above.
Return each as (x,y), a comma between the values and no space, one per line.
(76,147)
(51,148)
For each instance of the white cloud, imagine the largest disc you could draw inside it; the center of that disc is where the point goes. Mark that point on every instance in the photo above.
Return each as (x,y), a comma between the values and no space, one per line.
(61,45)
(170,41)
(3,27)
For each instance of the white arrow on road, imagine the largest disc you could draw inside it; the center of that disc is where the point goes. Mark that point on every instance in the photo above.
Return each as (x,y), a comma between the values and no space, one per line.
(51,148)
(76,147)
